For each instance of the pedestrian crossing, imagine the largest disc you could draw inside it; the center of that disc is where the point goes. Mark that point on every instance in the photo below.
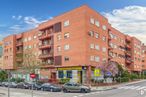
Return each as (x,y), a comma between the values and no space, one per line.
(133,88)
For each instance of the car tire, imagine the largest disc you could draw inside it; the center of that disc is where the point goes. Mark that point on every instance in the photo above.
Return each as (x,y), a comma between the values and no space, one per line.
(83,91)
(65,90)
(51,90)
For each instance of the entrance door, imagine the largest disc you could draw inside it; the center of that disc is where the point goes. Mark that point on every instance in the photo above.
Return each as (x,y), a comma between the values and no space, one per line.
(79,76)
(53,76)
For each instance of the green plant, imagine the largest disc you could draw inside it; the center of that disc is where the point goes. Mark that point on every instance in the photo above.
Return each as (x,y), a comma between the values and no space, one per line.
(3,76)
(64,80)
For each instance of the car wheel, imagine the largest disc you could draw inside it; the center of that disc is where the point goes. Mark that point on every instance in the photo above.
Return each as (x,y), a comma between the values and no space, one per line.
(42,89)
(65,90)
(83,91)
(51,90)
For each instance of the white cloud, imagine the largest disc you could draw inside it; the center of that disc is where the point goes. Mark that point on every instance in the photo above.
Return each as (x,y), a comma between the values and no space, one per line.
(31,21)
(130,20)
(17,17)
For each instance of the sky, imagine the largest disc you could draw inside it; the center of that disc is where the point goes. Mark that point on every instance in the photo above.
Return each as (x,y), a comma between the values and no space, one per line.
(16,16)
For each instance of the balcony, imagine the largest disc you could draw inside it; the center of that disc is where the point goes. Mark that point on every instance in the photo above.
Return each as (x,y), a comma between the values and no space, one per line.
(19,36)
(110,57)
(45,46)
(45,56)
(128,61)
(110,48)
(19,59)
(19,43)
(45,36)
(19,51)
(47,63)
(128,46)
(128,40)
(128,53)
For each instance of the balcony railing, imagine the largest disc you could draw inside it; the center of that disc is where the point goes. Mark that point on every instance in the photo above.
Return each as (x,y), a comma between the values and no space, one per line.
(19,51)
(128,53)
(45,46)
(45,56)
(19,43)
(128,46)
(47,63)
(45,36)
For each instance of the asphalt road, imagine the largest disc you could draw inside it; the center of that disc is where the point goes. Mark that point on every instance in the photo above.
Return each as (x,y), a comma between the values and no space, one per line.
(134,90)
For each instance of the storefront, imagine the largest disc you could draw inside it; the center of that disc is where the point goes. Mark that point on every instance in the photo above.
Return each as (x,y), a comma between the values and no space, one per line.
(75,74)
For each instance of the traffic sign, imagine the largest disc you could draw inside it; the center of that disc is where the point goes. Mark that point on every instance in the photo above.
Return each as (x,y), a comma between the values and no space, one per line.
(32,75)
(97,72)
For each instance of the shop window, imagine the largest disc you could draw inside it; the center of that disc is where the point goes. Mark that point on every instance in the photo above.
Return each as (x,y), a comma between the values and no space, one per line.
(60,74)
(69,74)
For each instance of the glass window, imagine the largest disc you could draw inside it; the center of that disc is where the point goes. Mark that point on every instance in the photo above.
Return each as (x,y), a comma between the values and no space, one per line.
(58,48)
(66,47)
(91,33)
(97,47)
(30,46)
(104,27)
(66,58)
(92,46)
(91,58)
(35,37)
(97,59)
(104,49)
(60,74)
(97,23)
(92,20)
(25,40)
(66,23)
(96,35)
(59,37)
(69,74)
(104,38)
(66,35)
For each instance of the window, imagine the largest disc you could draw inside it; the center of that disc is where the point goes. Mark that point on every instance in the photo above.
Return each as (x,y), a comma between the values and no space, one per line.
(97,59)
(58,48)
(66,35)
(104,38)
(66,58)
(60,74)
(34,45)
(97,23)
(104,27)
(91,33)
(25,40)
(91,58)
(30,46)
(92,46)
(104,49)
(66,23)
(96,35)
(92,20)
(69,74)
(35,37)
(97,47)
(66,47)
(29,39)
(59,37)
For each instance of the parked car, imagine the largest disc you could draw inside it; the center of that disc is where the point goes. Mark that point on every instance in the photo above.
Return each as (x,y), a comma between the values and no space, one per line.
(50,87)
(12,85)
(4,84)
(23,85)
(75,87)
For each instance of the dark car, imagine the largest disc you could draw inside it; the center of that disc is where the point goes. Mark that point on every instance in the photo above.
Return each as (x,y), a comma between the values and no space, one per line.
(50,87)
(23,85)
(75,87)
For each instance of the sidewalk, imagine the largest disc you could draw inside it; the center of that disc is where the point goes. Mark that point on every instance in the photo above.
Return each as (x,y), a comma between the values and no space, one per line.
(105,88)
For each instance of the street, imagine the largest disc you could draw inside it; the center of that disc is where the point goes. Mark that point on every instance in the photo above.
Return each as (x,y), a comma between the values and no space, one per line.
(134,90)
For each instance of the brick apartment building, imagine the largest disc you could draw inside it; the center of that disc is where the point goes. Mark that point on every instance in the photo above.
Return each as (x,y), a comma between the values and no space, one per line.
(1,57)
(71,45)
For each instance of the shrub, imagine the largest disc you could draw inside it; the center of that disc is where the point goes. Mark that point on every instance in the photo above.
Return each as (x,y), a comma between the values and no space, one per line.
(133,76)
(64,80)
(124,79)
(17,80)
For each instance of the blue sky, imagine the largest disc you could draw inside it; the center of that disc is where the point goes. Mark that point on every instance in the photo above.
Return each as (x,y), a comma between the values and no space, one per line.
(21,15)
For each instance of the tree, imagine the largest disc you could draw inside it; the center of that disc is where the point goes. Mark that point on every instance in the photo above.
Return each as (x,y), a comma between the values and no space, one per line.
(110,67)
(29,63)
(3,76)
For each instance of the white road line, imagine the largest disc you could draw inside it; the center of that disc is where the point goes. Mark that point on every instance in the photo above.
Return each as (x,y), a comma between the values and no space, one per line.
(144,87)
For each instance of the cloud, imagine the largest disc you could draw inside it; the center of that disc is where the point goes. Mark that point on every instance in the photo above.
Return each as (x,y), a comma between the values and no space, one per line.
(17,17)
(129,20)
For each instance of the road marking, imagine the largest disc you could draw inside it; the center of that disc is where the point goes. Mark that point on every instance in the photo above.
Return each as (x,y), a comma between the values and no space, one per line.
(141,88)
